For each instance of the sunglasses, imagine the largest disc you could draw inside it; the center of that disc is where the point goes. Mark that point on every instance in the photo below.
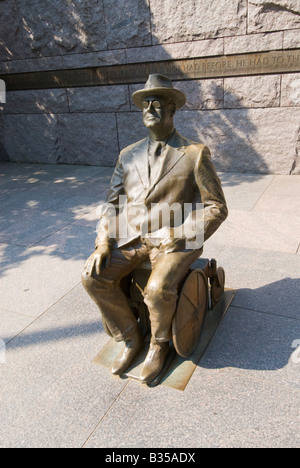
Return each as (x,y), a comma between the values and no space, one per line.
(155,104)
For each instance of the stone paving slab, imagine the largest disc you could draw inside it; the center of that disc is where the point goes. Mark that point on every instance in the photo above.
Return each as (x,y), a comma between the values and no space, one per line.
(250,229)
(268,281)
(13,323)
(33,279)
(244,190)
(220,409)
(244,391)
(256,344)
(51,393)
(70,239)
(32,226)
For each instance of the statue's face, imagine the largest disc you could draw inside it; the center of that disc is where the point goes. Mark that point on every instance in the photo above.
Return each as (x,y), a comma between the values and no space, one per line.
(158,112)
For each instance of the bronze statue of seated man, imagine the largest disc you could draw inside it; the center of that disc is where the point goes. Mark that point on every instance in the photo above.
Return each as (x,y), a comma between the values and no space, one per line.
(164,168)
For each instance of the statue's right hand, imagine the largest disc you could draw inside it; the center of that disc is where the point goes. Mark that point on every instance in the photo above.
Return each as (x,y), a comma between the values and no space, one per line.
(101,254)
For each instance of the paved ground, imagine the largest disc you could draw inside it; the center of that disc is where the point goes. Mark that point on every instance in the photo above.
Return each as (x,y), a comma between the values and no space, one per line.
(245,390)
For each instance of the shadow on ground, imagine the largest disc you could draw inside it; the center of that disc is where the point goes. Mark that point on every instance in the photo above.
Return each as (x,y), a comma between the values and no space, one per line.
(254,334)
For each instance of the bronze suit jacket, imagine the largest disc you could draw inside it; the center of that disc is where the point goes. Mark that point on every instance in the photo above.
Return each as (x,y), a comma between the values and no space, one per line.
(187,175)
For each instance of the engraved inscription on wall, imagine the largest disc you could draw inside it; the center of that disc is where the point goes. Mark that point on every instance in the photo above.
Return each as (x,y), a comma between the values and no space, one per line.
(235,65)
(268,62)
(285,61)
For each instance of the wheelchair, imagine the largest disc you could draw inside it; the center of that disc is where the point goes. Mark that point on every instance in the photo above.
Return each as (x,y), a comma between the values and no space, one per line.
(199,291)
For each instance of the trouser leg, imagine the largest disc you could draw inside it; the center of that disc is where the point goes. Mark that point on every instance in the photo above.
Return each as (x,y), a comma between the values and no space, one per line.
(161,291)
(105,291)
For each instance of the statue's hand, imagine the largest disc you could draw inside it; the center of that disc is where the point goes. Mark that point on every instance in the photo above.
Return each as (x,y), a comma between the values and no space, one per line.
(170,243)
(99,257)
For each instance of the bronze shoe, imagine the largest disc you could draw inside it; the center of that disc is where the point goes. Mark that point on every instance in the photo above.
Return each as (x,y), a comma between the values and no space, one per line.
(154,361)
(132,347)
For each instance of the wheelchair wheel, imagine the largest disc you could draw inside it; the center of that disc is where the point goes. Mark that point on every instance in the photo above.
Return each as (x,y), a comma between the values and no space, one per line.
(191,309)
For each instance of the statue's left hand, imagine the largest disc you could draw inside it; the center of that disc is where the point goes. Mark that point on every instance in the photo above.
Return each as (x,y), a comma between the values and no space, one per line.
(95,261)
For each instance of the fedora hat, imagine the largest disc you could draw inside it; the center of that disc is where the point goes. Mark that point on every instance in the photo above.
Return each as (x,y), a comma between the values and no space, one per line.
(159,85)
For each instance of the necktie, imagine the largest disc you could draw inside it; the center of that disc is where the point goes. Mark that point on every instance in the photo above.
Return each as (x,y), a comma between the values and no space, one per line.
(155,162)
(157,149)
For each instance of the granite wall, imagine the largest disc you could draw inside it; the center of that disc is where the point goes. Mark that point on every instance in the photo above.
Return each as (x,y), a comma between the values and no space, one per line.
(251,123)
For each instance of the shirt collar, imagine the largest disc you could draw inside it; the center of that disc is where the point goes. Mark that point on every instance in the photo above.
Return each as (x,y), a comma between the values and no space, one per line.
(164,140)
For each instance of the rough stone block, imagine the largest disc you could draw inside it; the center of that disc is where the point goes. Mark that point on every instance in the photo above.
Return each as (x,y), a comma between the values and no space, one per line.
(11,45)
(40,101)
(206,47)
(253,43)
(31,65)
(130,128)
(3,156)
(290,91)
(246,140)
(252,91)
(59,27)
(88,139)
(265,15)
(94,59)
(190,20)
(128,23)
(31,138)
(99,99)
(202,94)
(291,39)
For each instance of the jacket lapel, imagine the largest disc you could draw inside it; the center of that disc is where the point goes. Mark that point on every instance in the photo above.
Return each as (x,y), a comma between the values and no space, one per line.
(140,158)
(175,151)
